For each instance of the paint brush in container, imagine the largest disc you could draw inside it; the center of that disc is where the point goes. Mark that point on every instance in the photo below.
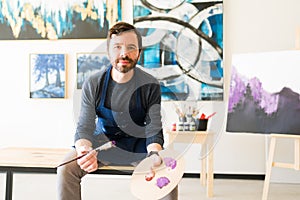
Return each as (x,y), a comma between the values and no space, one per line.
(103,147)
(209,116)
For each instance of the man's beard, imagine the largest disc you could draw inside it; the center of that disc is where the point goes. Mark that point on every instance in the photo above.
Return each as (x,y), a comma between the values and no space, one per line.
(127,68)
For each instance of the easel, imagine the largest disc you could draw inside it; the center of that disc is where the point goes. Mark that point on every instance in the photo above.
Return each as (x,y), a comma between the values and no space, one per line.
(271,163)
(274,137)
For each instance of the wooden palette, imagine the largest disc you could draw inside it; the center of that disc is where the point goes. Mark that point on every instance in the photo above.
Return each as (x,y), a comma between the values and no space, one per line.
(148,190)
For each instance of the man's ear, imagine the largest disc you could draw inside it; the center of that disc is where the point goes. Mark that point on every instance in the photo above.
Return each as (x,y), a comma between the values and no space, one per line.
(140,51)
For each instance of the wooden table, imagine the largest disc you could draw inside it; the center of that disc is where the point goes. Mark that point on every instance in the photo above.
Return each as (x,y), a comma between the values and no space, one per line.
(206,140)
(40,160)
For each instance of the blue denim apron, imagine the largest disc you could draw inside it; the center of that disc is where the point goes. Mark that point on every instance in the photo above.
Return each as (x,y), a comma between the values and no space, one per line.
(117,126)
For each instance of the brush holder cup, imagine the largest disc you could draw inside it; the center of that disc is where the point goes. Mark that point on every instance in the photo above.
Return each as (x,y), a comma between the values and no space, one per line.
(201,124)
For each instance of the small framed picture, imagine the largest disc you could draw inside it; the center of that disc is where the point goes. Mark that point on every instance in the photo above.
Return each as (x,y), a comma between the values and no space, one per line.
(47,76)
(88,64)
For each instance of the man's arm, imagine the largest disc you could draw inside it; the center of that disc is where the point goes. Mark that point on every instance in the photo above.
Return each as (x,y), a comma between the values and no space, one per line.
(86,126)
(83,143)
(86,122)
(153,131)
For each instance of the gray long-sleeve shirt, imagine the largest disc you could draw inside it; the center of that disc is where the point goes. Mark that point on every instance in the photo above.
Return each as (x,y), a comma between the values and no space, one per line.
(150,99)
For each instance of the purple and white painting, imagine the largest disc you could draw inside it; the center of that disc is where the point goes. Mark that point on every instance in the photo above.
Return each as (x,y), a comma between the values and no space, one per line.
(264,93)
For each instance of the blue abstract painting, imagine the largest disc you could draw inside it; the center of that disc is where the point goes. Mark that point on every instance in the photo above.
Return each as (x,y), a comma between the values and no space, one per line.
(183,46)
(63,19)
(47,76)
(265,93)
(88,64)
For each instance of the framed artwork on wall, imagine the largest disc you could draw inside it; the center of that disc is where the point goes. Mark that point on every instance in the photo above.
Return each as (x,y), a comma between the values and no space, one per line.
(183,46)
(64,19)
(264,93)
(47,76)
(88,64)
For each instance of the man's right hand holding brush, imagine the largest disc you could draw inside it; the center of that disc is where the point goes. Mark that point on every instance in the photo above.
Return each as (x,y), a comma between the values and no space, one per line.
(88,162)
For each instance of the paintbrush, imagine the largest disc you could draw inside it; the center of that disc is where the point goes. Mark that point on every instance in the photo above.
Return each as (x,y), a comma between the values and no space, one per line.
(209,116)
(103,147)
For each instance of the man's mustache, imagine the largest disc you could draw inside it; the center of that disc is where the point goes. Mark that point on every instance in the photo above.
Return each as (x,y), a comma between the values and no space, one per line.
(125,59)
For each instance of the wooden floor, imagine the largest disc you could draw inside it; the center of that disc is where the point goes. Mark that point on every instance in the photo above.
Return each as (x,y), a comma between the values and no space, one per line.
(116,187)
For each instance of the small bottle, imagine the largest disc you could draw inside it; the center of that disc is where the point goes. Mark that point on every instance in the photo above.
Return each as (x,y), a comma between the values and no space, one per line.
(186,126)
(179,126)
(192,125)
(173,128)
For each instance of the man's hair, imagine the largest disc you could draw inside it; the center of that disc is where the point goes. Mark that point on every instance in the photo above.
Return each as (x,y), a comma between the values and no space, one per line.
(122,27)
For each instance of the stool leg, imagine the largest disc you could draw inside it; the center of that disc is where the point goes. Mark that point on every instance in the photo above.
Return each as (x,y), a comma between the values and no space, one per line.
(269,168)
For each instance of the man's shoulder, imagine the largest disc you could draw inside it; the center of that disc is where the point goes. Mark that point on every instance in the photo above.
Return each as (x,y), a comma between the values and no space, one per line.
(97,76)
(143,75)
(94,80)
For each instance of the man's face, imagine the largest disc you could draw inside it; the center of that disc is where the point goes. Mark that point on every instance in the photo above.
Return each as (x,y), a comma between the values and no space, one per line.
(124,51)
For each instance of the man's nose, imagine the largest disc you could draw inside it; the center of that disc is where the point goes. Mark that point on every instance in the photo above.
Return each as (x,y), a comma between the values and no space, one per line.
(124,52)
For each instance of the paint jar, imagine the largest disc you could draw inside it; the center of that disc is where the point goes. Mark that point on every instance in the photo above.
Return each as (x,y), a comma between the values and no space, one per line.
(192,125)
(186,126)
(180,126)
(173,127)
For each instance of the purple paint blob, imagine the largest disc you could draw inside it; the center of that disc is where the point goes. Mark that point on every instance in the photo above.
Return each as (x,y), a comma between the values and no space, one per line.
(170,162)
(162,181)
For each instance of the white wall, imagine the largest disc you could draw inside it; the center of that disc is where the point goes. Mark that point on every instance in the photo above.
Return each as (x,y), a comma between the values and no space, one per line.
(249,26)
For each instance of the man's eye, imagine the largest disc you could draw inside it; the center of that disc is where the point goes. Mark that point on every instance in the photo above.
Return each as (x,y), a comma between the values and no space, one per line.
(131,48)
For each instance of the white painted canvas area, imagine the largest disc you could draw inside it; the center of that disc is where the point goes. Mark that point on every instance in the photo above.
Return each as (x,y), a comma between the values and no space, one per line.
(274,69)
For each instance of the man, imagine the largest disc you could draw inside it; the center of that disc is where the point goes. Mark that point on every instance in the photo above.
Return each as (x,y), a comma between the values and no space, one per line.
(125,102)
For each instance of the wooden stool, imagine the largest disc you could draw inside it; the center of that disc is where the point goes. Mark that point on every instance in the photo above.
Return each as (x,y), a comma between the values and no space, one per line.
(271,163)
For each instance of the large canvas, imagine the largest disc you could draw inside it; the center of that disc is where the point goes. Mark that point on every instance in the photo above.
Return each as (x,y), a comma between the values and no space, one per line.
(264,93)
(47,76)
(183,46)
(62,19)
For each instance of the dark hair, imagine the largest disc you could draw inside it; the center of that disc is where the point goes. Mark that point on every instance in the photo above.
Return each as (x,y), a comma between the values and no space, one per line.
(121,27)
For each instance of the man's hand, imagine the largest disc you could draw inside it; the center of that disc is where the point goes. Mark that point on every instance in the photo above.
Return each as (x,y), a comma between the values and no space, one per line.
(156,162)
(153,150)
(156,159)
(88,162)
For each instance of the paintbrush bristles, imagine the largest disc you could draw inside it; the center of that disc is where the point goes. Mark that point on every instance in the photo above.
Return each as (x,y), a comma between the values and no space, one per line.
(103,147)
(106,146)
